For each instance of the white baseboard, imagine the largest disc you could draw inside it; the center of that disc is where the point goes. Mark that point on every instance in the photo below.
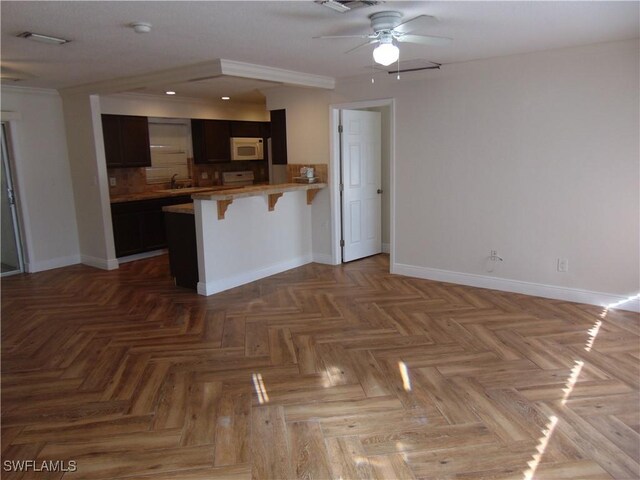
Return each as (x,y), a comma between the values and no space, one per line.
(142,256)
(102,263)
(323,258)
(621,302)
(386,248)
(52,263)
(222,284)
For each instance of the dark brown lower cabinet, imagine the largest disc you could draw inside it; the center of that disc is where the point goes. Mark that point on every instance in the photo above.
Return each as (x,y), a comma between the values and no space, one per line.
(139,226)
(183,250)
(152,229)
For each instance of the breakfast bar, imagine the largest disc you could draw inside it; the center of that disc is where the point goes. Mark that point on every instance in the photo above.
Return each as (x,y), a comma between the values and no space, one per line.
(273,192)
(249,233)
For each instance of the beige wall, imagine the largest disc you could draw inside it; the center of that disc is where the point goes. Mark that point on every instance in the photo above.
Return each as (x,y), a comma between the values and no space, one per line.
(307,122)
(42,176)
(155,106)
(90,183)
(533,155)
(307,144)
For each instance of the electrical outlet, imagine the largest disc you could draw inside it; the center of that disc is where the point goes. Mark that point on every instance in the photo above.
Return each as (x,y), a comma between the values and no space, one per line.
(563,265)
(216,175)
(112,181)
(204,175)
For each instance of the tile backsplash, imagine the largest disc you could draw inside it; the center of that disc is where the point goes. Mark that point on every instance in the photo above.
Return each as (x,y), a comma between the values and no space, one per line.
(321,171)
(259,168)
(129,180)
(134,180)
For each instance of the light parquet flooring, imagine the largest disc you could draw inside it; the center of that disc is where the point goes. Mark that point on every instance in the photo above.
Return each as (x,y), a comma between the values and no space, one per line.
(320,372)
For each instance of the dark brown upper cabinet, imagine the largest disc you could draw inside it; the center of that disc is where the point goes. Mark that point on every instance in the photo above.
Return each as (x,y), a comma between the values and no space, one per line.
(211,141)
(247,129)
(279,137)
(126,141)
(266,129)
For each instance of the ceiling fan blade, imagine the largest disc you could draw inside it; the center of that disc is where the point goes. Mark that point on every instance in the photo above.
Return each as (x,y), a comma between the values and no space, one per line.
(361,45)
(364,35)
(425,39)
(414,23)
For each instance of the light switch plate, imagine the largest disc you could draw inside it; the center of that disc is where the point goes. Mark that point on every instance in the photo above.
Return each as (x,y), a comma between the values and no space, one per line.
(563,265)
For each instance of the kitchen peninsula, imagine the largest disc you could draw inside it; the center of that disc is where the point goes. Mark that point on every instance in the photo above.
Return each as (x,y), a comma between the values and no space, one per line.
(249,233)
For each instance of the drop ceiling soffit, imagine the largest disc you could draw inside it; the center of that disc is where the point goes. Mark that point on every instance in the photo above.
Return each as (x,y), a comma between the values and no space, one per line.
(203,70)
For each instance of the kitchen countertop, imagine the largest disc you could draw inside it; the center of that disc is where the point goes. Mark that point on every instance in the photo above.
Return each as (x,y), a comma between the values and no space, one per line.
(255,190)
(229,194)
(164,193)
(273,192)
(186,208)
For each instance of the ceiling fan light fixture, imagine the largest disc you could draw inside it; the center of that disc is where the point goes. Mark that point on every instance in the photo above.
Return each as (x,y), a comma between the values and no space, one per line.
(386,53)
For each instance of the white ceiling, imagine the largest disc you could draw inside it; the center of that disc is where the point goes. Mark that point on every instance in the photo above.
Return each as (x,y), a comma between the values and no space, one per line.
(243,90)
(279,34)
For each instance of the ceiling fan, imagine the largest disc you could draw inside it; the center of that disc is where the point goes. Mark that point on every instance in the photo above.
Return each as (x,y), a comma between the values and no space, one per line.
(388,30)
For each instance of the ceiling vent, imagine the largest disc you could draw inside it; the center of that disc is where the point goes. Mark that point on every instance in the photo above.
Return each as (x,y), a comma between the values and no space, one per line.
(344,6)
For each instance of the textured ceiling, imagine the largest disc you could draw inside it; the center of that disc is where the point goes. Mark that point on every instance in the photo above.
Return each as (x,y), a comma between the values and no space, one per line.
(242,90)
(279,34)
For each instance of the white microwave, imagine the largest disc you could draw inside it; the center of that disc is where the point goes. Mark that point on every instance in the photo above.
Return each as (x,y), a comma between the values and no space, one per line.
(247,148)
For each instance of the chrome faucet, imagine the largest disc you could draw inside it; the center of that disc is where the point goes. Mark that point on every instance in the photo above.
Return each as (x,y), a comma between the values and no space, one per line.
(174,184)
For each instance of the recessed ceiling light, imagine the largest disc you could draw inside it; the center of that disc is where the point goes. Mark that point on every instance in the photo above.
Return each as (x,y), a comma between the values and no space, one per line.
(38,37)
(226,98)
(170,92)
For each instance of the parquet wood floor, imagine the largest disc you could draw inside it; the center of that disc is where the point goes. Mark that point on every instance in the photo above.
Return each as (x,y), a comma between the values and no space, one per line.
(320,372)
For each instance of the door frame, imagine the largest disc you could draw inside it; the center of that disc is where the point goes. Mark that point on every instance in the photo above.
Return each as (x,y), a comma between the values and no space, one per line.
(334,172)
(13,207)
(11,123)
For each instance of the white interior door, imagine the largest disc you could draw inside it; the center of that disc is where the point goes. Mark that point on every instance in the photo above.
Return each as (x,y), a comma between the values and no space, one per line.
(361,180)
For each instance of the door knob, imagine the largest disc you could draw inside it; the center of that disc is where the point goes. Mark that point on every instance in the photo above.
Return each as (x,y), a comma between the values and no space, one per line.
(379,191)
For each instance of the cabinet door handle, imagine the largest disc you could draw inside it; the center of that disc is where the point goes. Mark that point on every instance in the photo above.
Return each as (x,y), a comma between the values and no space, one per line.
(379,191)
